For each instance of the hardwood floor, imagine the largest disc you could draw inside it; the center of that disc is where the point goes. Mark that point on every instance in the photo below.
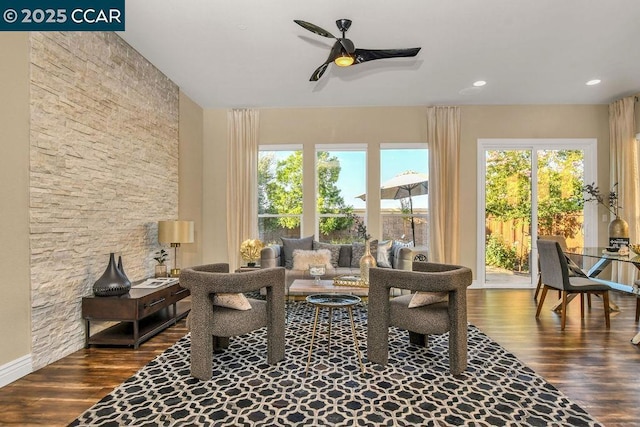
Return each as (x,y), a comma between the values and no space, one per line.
(595,367)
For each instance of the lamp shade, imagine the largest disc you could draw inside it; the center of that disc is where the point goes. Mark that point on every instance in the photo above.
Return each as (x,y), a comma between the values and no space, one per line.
(175,231)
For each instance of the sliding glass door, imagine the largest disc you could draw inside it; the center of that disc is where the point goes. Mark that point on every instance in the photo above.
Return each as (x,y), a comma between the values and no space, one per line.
(528,188)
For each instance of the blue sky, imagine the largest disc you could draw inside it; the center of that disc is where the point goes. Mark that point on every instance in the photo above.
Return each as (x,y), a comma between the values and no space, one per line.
(352,179)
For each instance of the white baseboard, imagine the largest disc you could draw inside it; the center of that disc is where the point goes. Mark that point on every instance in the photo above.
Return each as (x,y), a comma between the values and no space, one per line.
(16,369)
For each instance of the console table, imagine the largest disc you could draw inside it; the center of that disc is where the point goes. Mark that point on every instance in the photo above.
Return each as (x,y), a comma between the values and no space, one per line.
(142,313)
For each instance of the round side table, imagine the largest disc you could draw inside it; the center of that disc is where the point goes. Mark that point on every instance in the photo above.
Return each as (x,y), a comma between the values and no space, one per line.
(332,301)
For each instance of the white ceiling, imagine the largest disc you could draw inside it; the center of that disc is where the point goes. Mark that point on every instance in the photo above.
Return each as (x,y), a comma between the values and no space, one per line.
(250,53)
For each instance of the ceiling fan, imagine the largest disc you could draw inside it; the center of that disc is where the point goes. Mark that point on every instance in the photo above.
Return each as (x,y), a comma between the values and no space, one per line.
(344,52)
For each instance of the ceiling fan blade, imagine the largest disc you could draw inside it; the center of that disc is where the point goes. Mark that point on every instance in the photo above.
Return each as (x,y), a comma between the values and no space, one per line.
(364,55)
(314,28)
(335,52)
(319,72)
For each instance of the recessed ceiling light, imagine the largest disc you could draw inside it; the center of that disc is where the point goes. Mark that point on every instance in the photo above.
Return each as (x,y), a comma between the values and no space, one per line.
(593,82)
(479,83)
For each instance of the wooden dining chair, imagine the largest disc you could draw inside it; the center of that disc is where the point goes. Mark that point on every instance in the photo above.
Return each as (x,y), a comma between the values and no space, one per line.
(555,275)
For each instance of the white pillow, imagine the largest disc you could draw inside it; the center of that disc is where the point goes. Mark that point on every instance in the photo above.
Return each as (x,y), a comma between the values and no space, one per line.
(383,257)
(235,301)
(303,259)
(420,299)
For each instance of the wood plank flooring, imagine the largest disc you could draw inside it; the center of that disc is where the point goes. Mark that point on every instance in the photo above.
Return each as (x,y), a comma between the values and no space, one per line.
(597,368)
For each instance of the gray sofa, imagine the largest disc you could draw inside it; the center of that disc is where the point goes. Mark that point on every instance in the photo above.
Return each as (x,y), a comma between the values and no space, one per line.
(273,256)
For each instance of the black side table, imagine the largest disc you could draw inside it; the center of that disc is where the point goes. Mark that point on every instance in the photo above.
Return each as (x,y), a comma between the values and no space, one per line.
(332,301)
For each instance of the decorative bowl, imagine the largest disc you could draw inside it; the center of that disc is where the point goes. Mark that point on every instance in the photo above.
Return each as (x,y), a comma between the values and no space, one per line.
(612,249)
(635,248)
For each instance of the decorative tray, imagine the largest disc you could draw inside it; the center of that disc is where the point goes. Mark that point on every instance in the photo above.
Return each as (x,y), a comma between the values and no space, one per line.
(349,280)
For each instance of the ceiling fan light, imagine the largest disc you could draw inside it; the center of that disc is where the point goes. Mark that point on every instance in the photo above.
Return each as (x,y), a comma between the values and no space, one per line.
(344,60)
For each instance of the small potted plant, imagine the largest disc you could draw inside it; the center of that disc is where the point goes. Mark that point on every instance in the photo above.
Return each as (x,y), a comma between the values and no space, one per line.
(618,228)
(161,268)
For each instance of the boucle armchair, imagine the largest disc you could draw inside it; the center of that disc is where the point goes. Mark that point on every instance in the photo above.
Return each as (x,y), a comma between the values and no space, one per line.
(211,325)
(437,318)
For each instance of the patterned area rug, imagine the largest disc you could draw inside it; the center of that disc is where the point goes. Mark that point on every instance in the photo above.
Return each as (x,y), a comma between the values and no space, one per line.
(415,388)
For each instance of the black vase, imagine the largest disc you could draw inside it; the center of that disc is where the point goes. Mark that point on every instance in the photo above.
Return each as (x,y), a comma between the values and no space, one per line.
(112,282)
(121,268)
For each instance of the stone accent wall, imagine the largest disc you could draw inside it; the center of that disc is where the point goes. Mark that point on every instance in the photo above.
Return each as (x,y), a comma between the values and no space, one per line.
(103,171)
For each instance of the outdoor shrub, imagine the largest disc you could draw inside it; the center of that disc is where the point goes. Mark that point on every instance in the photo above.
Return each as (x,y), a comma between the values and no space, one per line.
(498,254)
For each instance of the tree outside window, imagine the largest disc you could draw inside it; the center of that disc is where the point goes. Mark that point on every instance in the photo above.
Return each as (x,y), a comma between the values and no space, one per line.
(280,196)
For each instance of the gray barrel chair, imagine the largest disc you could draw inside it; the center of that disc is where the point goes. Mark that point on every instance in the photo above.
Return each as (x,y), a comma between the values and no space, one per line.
(438,318)
(211,325)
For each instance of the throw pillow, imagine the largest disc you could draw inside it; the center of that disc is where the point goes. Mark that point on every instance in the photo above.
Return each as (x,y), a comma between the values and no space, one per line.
(290,245)
(235,301)
(395,251)
(303,259)
(357,252)
(335,251)
(420,299)
(383,257)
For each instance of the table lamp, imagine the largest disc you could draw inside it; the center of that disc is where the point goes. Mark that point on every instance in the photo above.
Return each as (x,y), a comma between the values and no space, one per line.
(175,233)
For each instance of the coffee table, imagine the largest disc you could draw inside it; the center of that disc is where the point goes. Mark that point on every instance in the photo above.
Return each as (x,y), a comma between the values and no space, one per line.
(310,286)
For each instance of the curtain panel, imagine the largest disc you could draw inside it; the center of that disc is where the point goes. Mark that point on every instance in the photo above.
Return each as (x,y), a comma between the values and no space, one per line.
(242,181)
(624,162)
(623,169)
(443,138)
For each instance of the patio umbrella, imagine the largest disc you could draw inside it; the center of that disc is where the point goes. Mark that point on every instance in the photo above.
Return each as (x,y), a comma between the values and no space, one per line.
(405,185)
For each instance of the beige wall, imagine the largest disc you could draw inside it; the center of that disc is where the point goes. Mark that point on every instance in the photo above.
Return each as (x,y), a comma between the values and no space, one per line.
(190,177)
(214,187)
(376,125)
(15,324)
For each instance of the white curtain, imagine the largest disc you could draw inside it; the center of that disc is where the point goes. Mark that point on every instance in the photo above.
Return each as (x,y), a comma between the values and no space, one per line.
(242,181)
(443,138)
(624,165)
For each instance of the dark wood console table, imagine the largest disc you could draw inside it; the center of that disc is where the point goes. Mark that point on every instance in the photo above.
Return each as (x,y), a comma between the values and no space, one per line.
(142,313)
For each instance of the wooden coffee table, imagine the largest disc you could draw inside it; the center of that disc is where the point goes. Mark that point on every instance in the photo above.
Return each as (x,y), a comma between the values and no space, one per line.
(310,286)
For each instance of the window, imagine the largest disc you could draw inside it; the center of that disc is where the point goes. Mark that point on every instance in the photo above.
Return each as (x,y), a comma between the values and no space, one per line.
(340,181)
(279,192)
(404,213)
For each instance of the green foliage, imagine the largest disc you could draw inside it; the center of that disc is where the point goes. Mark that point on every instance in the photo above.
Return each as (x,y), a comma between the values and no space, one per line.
(498,254)
(559,188)
(329,198)
(285,191)
(508,199)
(161,256)
(266,174)
(280,191)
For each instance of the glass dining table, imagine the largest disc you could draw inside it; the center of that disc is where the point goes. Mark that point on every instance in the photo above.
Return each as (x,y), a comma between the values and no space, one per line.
(621,277)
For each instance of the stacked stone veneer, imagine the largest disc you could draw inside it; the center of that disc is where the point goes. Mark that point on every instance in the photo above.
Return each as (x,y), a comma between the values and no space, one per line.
(103,171)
